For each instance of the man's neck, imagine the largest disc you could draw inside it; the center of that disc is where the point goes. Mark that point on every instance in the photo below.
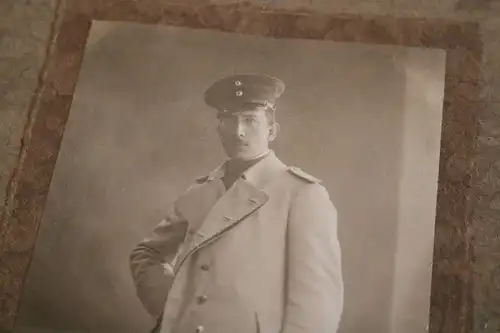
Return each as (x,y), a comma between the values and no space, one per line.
(237,163)
(243,161)
(236,167)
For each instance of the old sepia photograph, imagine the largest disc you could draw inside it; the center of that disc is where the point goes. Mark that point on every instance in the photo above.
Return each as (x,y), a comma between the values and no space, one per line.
(218,182)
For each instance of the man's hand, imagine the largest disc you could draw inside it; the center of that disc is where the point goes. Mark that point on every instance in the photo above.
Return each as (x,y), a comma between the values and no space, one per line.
(150,262)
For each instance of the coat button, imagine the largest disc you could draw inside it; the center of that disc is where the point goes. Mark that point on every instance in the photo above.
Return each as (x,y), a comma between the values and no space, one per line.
(205,267)
(202,299)
(200,329)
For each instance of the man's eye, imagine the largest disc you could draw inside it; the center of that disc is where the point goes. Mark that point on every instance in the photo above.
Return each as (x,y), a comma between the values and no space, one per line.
(228,121)
(249,120)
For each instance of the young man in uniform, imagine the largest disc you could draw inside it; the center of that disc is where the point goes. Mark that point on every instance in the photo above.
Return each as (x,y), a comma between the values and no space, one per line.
(253,246)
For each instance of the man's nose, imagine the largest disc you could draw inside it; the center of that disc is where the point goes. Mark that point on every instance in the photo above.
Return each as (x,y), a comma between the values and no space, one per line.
(240,130)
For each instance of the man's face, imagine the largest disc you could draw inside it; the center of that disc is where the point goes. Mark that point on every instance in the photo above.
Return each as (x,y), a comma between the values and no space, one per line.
(245,134)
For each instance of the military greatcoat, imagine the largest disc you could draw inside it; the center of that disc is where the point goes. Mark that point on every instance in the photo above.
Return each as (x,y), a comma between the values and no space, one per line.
(260,257)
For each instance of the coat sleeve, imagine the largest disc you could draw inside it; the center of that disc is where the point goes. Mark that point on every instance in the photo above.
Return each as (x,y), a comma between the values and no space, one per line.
(314,285)
(150,262)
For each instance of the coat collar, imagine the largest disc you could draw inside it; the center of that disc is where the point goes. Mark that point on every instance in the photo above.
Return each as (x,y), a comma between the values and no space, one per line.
(257,175)
(213,213)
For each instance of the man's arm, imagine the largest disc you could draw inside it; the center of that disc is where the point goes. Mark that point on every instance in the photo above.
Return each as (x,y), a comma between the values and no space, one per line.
(314,282)
(152,280)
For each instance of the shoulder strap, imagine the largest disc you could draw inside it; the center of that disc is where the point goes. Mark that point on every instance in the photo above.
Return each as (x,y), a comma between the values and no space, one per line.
(298,172)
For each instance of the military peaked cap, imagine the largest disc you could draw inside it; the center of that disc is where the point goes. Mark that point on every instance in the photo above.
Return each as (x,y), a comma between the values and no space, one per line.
(237,92)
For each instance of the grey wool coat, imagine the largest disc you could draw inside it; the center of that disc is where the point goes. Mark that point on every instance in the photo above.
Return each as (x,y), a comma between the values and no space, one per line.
(261,257)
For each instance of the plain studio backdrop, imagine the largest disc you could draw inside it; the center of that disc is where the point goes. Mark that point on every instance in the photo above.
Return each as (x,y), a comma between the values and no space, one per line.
(365,119)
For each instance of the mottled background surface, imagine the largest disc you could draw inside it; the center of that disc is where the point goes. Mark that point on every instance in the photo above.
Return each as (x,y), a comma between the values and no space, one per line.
(364,119)
(25,32)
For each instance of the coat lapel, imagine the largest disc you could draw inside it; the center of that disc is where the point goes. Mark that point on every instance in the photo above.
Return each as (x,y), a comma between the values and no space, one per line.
(239,201)
(219,214)
(195,205)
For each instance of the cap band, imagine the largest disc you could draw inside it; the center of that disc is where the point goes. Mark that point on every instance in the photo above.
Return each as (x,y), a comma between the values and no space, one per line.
(237,92)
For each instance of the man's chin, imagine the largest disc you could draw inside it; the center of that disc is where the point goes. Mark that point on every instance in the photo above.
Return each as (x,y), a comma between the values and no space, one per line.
(241,155)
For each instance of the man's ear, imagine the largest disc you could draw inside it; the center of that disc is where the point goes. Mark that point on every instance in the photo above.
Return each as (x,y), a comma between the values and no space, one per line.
(219,128)
(273,131)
